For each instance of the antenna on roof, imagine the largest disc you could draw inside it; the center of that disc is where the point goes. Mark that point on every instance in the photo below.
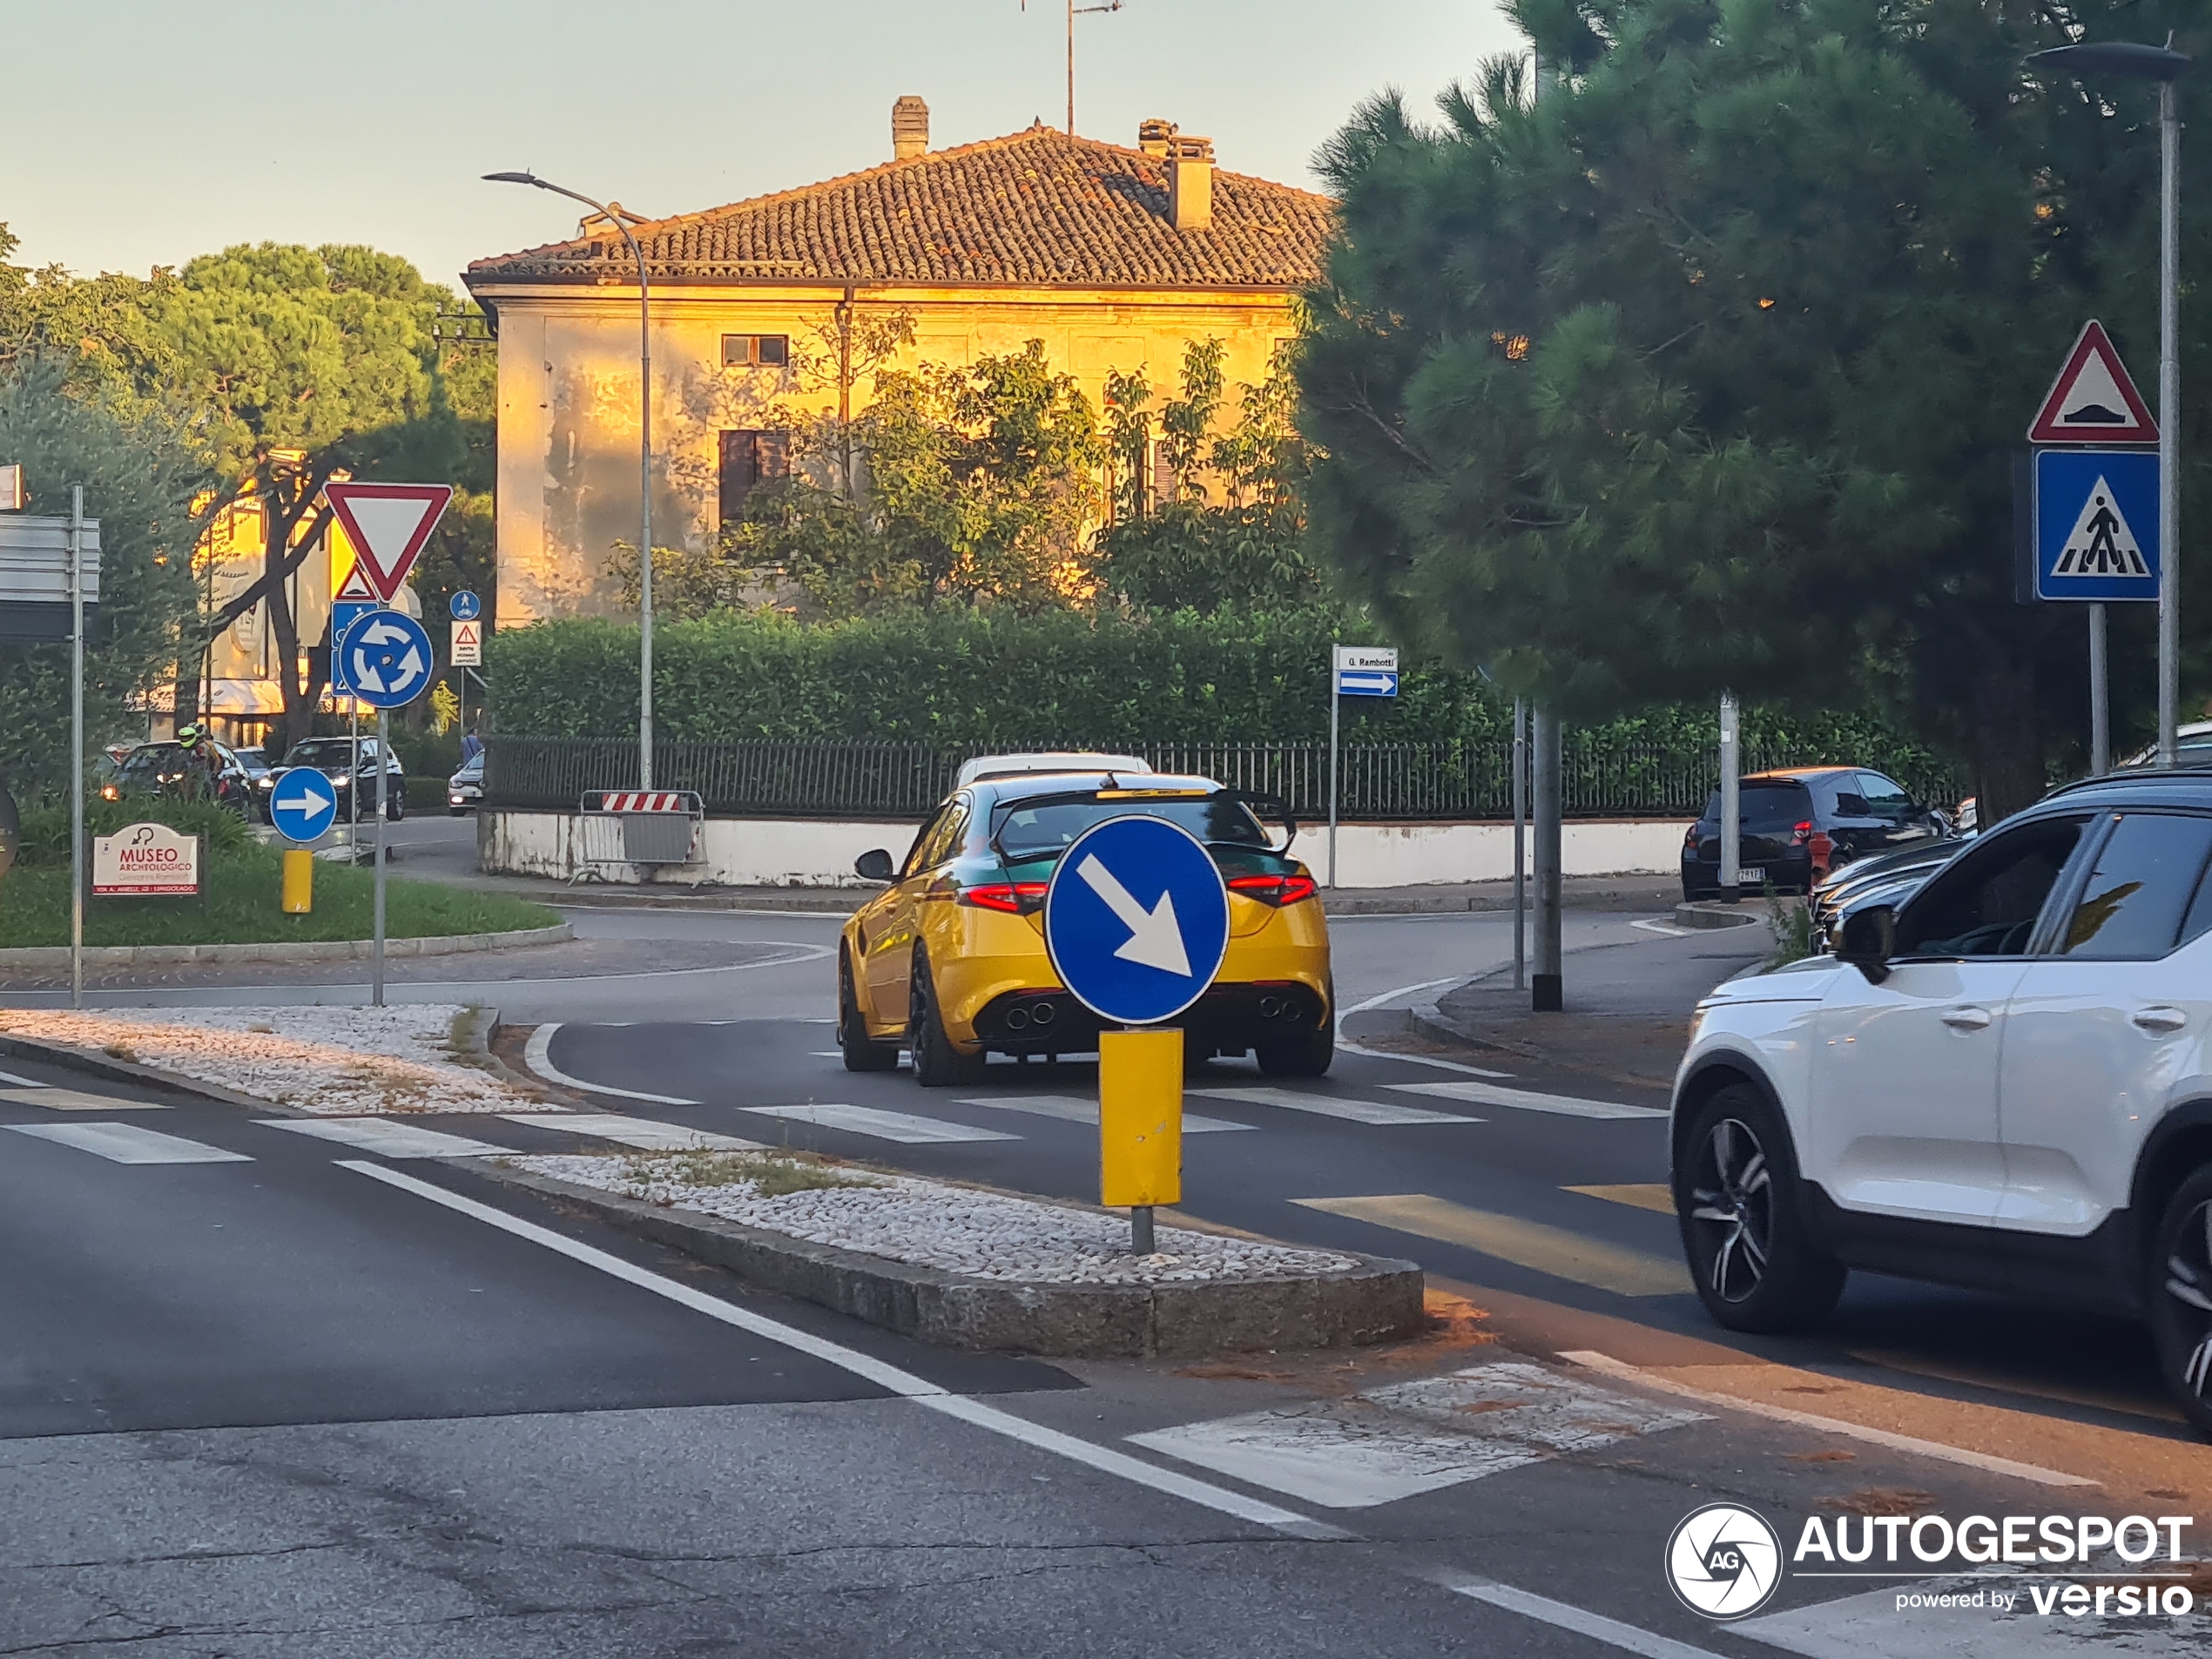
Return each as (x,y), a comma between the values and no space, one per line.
(1073,10)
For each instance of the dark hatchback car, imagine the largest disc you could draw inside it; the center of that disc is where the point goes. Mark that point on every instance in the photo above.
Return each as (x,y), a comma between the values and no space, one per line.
(1796,826)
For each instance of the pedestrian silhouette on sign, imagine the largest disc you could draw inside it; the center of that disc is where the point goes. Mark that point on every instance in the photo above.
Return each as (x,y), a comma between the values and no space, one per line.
(2104,550)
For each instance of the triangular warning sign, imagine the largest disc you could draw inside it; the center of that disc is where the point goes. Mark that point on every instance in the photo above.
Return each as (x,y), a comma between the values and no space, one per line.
(356,586)
(387,525)
(2092,401)
(2100,543)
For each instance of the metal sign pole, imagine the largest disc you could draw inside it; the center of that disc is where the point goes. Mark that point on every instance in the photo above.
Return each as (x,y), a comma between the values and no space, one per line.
(2169,425)
(1334,702)
(1519,844)
(383,786)
(76,745)
(1547,993)
(1731,804)
(2100,698)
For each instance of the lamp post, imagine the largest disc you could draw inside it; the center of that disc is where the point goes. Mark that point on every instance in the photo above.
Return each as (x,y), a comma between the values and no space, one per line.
(644,466)
(2136,61)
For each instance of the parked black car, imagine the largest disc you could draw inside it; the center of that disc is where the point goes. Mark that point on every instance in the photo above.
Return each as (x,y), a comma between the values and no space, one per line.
(1799,825)
(1882,878)
(352,773)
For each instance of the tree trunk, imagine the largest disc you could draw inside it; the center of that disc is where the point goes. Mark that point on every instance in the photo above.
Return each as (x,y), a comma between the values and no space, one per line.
(2008,740)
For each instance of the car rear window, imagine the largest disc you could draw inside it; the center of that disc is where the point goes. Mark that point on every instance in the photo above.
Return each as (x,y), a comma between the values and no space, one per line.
(1765,808)
(2148,872)
(1044,828)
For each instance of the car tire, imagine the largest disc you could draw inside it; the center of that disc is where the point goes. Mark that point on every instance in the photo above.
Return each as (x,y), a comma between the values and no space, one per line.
(2179,1296)
(937,1063)
(1308,1054)
(861,1052)
(395,806)
(1737,1196)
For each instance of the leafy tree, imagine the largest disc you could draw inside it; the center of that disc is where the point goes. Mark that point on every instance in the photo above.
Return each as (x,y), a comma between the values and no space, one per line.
(98,330)
(140,479)
(1706,370)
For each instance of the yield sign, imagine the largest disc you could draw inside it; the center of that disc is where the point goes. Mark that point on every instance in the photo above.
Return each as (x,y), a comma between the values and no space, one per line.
(387,525)
(2092,401)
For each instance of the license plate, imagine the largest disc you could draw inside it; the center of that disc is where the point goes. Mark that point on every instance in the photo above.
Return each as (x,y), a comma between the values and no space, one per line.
(1750,875)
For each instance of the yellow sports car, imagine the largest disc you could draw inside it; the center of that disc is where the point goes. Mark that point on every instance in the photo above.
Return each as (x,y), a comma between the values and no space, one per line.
(950,961)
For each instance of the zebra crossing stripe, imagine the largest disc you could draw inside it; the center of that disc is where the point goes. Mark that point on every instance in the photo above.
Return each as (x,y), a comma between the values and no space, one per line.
(1352,1111)
(75,1100)
(385,1138)
(1528,1100)
(880,1125)
(128,1143)
(1074,1108)
(646,1134)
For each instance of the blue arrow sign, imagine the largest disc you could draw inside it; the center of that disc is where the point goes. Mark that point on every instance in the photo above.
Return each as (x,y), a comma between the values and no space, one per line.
(1137,919)
(386,658)
(2096,524)
(465,606)
(303,804)
(1356,683)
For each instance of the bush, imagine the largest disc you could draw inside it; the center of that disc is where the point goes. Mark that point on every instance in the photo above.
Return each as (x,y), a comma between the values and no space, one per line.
(45,829)
(965,677)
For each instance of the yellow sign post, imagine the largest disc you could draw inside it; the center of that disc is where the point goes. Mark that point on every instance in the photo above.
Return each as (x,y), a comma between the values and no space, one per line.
(299,887)
(1140,1125)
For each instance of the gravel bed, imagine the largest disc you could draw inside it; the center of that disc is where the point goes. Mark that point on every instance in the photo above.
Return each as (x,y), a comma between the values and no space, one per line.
(980,1235)
(334,1061)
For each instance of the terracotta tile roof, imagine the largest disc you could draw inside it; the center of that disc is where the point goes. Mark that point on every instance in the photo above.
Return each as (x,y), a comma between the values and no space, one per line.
(1036,207)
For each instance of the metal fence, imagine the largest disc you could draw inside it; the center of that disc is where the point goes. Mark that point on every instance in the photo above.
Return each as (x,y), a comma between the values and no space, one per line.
(1454,779)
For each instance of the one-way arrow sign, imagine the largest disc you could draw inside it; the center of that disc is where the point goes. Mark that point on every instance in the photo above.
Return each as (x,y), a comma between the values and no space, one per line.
(1137,919)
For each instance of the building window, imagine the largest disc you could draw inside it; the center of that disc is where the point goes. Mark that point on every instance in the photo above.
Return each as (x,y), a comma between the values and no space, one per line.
(1167,487)
(755,351)
(748,458)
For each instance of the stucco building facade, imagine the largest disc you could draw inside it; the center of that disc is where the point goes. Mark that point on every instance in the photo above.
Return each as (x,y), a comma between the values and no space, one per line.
(1114,257)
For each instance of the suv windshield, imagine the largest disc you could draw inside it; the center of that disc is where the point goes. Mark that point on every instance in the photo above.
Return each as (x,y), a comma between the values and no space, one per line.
(1765,808)
(1043,828)
(327,753)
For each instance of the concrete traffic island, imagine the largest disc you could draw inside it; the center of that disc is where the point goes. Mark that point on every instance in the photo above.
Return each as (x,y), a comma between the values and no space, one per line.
(975,1268)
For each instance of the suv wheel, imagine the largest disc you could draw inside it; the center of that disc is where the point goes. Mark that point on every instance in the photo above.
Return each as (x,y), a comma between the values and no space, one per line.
(396,804)
(1308,1054)
(1737,1197)
(862,1052)
(2180,1298)
(937,1063)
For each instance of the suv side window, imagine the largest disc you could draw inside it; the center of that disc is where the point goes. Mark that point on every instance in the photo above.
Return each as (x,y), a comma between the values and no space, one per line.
(1987,903)
(1884,798)
(918,854)
(940,840)
(2148,870)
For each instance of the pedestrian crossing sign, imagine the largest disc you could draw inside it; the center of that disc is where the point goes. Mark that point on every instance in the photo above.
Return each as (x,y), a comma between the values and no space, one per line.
(2096,525)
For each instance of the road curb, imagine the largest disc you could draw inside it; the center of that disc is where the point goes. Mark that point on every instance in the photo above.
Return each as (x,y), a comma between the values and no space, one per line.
(330,950)
(127,1072)
(1379,1300)
(1710,912)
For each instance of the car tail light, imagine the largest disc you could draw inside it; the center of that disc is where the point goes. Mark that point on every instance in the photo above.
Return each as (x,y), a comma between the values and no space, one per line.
(1015,898)
(1690,841)
(1278,890)
(1802,834)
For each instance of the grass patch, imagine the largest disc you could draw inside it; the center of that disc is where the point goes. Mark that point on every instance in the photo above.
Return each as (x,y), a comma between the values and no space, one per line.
(242,907)
(770,1174)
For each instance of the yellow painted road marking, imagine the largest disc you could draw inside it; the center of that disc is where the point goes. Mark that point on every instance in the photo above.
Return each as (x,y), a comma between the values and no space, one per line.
(1525,1244)
(1644,1195)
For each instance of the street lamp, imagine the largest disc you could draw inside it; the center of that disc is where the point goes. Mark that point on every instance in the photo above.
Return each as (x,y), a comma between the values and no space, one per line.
(2163,64)
(644,466)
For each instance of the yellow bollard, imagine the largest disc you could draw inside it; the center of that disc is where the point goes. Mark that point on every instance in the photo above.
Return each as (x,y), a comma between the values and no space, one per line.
(299,881)
(1140,1124)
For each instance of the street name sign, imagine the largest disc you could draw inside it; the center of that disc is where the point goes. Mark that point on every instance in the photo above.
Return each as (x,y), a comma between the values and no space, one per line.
(1137,919)
(1366,671)
(387,659)
(387,526)
(2092,401)
(303,804)
(465,606)
(2096,524)
(145,861)
(466,647)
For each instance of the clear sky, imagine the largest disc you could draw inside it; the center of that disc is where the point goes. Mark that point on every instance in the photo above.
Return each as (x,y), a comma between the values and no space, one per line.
(140,132)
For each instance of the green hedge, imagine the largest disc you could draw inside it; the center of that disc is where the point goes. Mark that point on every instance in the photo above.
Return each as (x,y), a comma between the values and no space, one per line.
(962,678)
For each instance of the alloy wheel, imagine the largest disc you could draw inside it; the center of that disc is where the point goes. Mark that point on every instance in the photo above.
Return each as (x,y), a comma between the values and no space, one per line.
(2188,1291)
(1733,1205)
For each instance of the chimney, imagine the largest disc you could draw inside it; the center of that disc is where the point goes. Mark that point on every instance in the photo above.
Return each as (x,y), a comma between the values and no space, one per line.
(1153,136)
(909,128)
(1190,183)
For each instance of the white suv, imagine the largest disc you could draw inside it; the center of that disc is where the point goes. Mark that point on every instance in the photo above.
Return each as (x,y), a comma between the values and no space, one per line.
(2004,1083)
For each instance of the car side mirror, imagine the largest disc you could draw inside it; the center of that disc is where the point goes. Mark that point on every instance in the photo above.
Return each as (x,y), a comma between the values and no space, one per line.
(1868,938)
(874,865)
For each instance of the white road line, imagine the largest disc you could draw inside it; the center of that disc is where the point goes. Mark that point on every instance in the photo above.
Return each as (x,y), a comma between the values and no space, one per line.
(1388,997)
(1529,1100)
(537,1055)
(884,1126)
(386,1138)
(1652,925)
(74,1099)
(889,1377)
(1072,1109)
(1352,1111)
(644,1133)
(1629,1637)
(128,1143)
(1626,1373)
(22,1082)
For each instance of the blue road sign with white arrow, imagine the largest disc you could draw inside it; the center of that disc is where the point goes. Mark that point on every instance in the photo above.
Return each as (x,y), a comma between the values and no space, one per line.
(387,659)
(1364,671)
(1351,683)
(465,606)
(303,804)
(1137,919)
(2096,524)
